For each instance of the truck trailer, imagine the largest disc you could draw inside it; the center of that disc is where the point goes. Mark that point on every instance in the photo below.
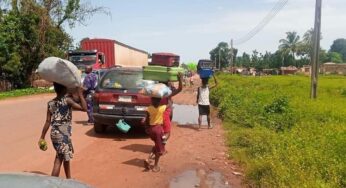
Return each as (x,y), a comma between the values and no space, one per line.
(106,53)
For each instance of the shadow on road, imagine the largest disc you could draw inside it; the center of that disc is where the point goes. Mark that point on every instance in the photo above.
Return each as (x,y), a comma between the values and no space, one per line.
(85,123)
(138,148)
(188,126)
(113,133)
(135,162)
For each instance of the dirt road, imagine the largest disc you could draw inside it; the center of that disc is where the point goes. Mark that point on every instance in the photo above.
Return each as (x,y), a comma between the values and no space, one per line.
(113,159)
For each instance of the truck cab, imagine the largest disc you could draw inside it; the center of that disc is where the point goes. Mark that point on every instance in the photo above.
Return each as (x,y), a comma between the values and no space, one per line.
(87,58)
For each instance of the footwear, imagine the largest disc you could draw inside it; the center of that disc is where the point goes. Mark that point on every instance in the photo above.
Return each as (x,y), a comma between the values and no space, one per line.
(210,126)
(147,165)
(156,169)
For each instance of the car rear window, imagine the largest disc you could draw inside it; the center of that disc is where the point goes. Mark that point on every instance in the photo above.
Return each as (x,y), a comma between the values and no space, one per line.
(123,80)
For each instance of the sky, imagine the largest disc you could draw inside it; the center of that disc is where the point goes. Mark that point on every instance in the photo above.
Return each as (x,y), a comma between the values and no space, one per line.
(192,28)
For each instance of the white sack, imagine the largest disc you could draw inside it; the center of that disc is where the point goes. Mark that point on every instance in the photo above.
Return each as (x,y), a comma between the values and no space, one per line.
(157,90)
(61,71)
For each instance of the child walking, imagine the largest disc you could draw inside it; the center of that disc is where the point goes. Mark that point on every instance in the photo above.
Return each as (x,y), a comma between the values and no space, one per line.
(59,116)
(203,101)
(154,122)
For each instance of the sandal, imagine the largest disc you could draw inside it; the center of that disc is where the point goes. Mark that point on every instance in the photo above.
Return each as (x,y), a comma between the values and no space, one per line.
(156,169)
(147,165)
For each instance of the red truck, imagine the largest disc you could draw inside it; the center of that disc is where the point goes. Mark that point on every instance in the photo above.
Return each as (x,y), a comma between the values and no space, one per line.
(106,53)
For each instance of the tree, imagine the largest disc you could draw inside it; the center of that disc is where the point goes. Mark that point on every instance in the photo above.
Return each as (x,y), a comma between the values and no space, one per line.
(339,46)
(334,57)
(244,60)
(32,30)
(289,46)
(222,54)
(305,48)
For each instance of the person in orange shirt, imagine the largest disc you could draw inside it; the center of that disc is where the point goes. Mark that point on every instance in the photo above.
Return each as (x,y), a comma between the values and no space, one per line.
(154,122)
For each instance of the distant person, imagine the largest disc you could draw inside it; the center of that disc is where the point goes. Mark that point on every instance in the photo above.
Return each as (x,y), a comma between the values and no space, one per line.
(59,117)
(89,84)
(154,123)
(203,101)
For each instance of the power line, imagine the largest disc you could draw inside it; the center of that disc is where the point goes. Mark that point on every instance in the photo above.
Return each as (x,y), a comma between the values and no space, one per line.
(274,11)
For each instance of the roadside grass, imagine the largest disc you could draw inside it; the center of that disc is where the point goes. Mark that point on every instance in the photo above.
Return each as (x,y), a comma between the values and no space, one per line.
(23,92)
(282,137)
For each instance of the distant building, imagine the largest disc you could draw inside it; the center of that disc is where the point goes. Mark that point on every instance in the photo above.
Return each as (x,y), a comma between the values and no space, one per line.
(333,68)
(288,70)
(306,70)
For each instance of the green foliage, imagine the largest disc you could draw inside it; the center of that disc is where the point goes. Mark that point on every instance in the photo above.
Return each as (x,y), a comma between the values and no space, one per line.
(290,44)
(222,54)
(22,92)
(290,48)
(32,30)
(281,136)
(334,57)
(192,66)
(339,46)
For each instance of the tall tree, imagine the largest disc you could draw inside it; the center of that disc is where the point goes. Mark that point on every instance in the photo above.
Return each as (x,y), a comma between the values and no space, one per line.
(290,45)
(339,46)
(32,30)
(221,54)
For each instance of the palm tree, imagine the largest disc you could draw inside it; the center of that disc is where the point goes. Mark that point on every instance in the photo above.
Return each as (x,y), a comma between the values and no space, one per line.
(290,44)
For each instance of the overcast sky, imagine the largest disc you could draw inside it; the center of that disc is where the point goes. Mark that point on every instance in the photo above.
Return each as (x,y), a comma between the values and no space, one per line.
(191,28)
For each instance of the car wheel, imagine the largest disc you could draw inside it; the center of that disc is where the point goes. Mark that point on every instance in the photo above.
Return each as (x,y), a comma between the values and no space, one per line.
(99,128)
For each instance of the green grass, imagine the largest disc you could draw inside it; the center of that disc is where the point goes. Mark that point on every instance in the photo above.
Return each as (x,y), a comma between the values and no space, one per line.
(22,92)
(281,137)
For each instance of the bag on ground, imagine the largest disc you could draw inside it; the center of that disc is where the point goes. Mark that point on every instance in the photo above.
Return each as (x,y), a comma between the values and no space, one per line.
(157,90)
(61,71)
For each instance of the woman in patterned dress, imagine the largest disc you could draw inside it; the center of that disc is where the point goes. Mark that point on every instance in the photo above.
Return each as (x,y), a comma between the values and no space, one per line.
(59,116)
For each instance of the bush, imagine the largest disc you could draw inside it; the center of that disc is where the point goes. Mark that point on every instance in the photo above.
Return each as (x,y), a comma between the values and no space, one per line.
(281,136)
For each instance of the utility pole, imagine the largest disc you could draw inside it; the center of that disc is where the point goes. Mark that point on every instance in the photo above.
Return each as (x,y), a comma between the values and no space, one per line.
(231,59)
(219,58)
(316,49)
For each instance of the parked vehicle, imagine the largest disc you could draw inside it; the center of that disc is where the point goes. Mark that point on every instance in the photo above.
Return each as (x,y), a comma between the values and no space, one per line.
(106,53)
(165,59)
(118,97)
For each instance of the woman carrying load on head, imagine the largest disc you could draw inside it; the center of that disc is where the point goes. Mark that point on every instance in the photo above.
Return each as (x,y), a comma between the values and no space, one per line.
(59,116)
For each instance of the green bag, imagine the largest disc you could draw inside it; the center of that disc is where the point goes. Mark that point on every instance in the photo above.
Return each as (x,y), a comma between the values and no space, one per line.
(123,126)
